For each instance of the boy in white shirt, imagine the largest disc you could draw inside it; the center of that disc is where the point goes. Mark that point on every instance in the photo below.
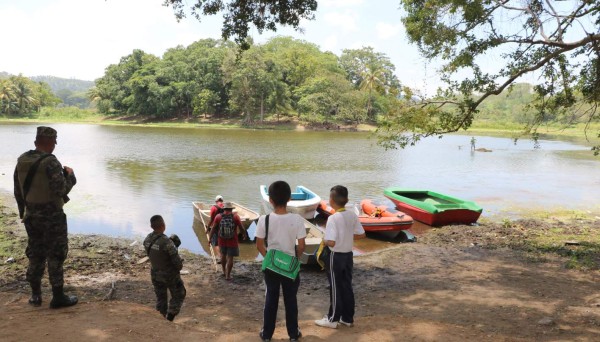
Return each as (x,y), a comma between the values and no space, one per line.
(284,229)
(341,230)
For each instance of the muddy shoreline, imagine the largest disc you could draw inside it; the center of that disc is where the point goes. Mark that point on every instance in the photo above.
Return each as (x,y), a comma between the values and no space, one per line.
(510,280)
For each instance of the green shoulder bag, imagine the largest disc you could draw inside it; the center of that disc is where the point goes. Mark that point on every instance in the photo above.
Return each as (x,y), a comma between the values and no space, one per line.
(278,261)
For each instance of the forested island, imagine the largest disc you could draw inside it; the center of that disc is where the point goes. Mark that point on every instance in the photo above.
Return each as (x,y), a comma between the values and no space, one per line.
(284,79)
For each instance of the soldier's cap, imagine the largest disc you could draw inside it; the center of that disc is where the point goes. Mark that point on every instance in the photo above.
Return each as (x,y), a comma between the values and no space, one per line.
(43,131)
(176,240)
(219,198)
(228,205)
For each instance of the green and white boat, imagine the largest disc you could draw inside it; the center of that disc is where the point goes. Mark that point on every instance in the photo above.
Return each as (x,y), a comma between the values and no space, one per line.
(433,208)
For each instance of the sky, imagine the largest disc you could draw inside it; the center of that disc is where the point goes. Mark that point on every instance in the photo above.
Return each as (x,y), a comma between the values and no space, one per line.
(79,39)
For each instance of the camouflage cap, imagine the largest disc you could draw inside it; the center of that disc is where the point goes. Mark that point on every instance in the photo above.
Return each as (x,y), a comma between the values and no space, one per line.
(43,131)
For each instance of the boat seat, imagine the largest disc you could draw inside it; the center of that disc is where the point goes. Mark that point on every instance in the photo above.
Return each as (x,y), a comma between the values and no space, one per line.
(299,196)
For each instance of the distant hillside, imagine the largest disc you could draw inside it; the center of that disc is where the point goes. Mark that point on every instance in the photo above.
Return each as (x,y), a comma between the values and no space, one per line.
(71,91)
(57,83)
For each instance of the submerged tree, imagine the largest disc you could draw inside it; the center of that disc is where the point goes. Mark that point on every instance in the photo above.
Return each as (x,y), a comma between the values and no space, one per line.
(557,41)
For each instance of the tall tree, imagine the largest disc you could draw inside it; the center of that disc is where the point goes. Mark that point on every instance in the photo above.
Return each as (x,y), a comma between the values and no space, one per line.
(298,61)
(249,82)
(7,97)
(370,71)
(558,41)
(239,14)
(24,94)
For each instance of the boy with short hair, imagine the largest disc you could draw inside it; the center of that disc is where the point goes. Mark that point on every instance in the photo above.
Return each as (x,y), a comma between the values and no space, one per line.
(166,265)
(341,230)
(227,226)
(284,229)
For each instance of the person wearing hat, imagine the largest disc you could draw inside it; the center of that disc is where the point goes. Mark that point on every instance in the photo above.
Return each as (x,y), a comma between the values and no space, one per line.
(227,226)
(216,209)
(166,264)
(41,185)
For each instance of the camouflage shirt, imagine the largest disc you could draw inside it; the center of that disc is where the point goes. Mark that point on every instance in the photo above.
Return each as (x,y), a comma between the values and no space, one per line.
(164,257)
(50,183)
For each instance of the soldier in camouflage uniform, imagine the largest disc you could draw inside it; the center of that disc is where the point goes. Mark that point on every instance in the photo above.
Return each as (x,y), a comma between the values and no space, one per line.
(40,204)
(166,265)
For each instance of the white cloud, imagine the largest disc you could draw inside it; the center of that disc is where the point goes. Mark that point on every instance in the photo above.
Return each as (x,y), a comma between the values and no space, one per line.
(346,20)
(340,3)
(73,38)
(330,43)
(387,31)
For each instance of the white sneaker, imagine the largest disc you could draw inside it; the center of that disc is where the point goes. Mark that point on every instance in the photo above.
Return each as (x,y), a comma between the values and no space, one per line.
(346,323)
(324,322)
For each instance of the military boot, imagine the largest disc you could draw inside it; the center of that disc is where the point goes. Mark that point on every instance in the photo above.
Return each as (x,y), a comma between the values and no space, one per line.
(60,299)
(36,294)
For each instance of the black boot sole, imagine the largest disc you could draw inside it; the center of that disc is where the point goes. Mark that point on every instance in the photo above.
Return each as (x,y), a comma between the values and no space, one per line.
(35,302)
(63,304)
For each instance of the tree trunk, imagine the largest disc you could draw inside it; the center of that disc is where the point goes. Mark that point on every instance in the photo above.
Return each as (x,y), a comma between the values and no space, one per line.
(262,108)
(369,105)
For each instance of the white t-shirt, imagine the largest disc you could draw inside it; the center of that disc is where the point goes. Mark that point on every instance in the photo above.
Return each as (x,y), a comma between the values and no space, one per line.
(341,228)
(283,231)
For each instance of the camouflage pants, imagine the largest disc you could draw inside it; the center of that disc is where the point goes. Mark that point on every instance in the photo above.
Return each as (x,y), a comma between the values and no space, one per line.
(177,289)
(47,241)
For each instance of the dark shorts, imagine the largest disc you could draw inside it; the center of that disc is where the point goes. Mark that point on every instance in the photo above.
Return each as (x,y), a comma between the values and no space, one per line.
(230,251)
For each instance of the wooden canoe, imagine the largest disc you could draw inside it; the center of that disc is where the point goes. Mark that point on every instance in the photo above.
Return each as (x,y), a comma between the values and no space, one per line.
(314,235)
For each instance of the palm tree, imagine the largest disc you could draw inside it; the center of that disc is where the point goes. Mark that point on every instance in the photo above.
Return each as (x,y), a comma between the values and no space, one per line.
(373,77)
(23,95)
(7,96)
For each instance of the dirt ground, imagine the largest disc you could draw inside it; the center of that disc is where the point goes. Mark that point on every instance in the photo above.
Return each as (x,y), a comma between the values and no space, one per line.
(455,284)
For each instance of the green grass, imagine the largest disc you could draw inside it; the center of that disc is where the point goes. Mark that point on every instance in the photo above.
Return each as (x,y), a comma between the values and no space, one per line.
(551,239)
(574,133)
(11,245)
(56,115)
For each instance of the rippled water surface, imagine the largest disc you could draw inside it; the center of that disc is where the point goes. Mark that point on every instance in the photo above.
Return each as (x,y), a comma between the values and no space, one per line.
(127,174)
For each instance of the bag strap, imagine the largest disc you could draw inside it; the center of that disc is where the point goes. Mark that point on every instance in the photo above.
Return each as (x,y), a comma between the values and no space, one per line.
(267,230)
(150,245)
(30,174)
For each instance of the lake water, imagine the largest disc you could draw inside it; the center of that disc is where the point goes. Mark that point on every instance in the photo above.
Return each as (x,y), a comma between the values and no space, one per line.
(127,174)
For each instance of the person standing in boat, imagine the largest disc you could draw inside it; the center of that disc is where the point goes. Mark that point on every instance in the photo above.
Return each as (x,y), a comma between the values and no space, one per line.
(341,230)
(227,226)
(284,229)
(216,209)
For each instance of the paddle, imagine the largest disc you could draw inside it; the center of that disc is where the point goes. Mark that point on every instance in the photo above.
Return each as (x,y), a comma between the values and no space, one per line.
(212,252)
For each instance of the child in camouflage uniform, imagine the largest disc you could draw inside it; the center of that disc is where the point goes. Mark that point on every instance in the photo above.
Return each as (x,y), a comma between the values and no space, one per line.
(166,265)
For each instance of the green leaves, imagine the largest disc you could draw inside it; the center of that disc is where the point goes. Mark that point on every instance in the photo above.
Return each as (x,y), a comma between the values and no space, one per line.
(541,37)
(20,96)
(238,15)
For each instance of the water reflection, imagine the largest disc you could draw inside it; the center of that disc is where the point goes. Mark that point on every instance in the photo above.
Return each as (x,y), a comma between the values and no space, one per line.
(127,174)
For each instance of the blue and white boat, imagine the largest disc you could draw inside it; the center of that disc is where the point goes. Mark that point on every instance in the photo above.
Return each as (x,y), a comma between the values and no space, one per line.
(303,202)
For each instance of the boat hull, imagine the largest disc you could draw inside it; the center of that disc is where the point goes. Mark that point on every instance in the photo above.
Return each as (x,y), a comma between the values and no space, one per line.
(388,222)
(433,208)
(314,236)
(304,202)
